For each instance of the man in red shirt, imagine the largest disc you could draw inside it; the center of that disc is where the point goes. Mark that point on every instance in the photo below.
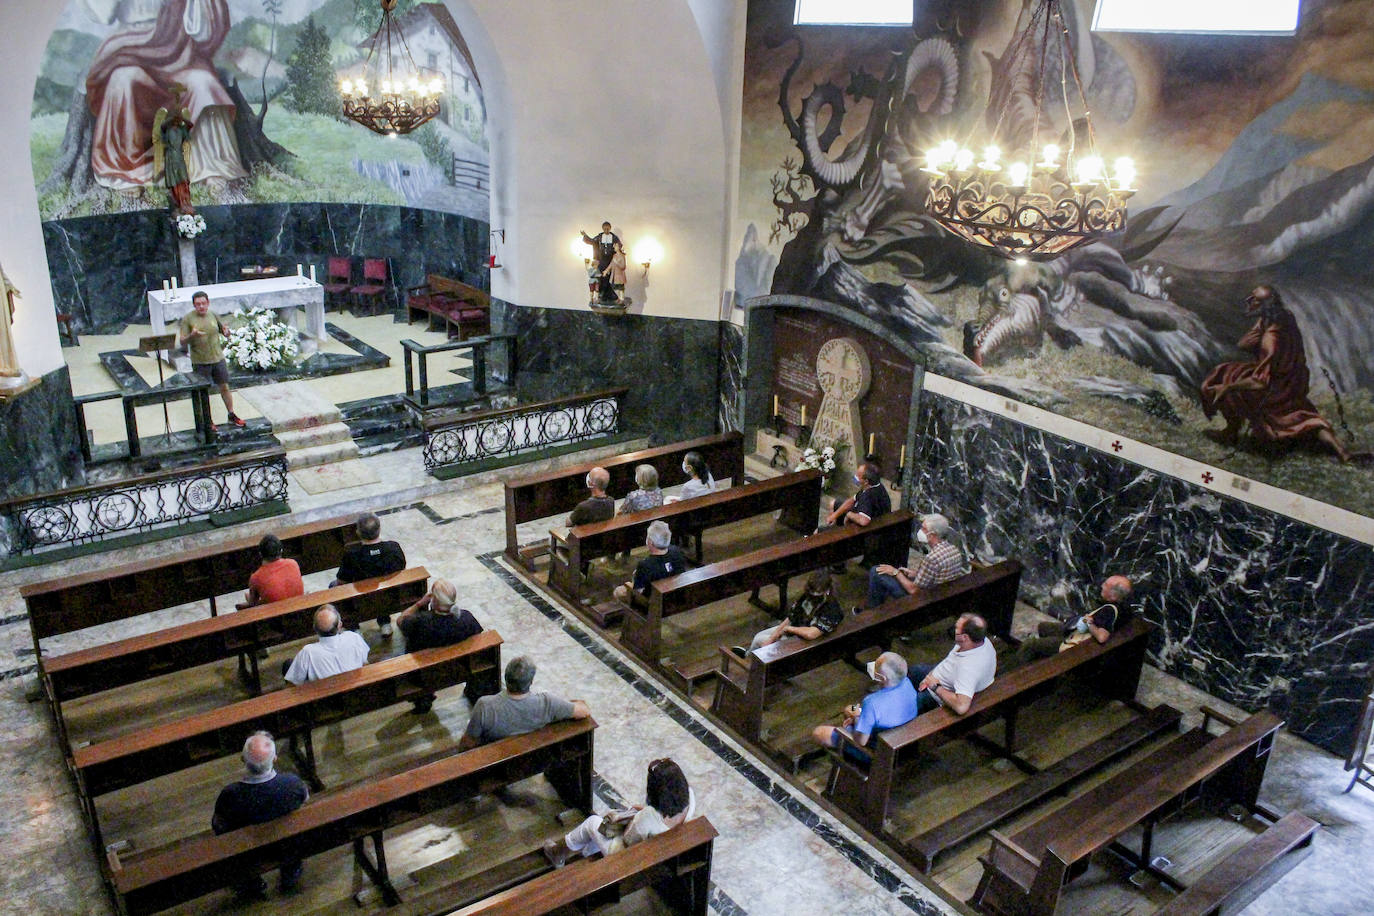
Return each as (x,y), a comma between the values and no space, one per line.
(277,578)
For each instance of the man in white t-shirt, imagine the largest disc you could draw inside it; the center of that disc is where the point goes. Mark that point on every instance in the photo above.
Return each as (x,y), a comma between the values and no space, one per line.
(968,668)
(337,651)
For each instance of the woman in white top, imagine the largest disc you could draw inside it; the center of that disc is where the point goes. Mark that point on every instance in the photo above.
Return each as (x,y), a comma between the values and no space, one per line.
(699,479)
(668,802)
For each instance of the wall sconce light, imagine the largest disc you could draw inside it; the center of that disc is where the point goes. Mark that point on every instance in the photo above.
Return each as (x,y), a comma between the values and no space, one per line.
(580,250)
(646,252)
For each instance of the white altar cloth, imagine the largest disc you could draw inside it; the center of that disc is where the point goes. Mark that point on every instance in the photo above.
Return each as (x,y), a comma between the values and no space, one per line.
(165,307)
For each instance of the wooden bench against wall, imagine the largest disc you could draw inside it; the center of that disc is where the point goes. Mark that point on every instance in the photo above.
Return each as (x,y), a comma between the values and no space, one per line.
(1111,669)
(677,864)
(797,495)
(139,658)
(558,492)
(1026,873)
(742,689)
(292,712)
(188,869)
(888,536)
(103,596)
(463,311)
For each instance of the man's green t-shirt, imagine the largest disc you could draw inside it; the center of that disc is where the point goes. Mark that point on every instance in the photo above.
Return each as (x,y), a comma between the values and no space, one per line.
(205,349)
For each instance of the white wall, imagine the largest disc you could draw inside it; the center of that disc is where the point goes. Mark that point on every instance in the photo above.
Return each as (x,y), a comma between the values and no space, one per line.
(610,110)
(24,31)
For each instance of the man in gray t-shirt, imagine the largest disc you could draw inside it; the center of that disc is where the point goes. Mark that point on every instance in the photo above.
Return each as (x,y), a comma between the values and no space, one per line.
(517,711)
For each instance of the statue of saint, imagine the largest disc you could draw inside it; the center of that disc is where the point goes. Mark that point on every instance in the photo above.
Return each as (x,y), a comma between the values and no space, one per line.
(171,153)
(11,376)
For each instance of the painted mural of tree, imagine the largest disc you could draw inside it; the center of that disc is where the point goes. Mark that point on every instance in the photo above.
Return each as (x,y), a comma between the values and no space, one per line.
(310,85)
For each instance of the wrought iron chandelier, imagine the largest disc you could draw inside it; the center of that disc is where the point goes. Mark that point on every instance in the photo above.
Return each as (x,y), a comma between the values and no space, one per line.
(1041,200)
(406,97)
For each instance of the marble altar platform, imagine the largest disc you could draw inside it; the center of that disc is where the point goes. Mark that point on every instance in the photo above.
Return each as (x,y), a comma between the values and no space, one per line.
(281,294)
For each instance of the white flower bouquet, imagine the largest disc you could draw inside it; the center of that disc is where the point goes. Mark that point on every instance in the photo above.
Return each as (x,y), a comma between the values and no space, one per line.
(261,342)
(190,225)
(823,460)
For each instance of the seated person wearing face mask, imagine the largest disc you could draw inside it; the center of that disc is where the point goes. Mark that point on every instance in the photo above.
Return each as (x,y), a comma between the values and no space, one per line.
(894,704)
(595,508)
(699,479)
(943,563)
(1055,636)
(813,615)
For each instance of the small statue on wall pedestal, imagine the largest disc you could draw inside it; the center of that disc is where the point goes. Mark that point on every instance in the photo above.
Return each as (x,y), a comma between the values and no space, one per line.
(12,378)
(602,271)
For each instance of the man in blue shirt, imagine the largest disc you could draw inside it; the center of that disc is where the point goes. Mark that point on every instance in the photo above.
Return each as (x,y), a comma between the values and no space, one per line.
(895,703)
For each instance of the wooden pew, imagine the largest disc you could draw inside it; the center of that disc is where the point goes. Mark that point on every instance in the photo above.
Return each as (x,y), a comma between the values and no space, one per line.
(888,537)
(191,868)
(1232,884)
(105,595)
(743,686)
(292,712)
(1111,669)
(557,492)
(798,495)
(677,863)
(128,661)
(460,308)
(1027,873)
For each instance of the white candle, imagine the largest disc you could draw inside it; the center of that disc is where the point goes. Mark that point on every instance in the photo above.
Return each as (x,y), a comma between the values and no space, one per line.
(166,286)
(312,273)
(803,422)
(300,271)
(870,443)
(174,283)
(775,406)
(901,462)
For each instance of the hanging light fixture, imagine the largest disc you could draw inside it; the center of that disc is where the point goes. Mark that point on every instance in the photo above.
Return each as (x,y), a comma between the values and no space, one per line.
(390,96)
(1020,198)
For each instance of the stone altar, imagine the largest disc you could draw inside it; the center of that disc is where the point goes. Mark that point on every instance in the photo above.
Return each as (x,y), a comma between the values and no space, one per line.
(165,307)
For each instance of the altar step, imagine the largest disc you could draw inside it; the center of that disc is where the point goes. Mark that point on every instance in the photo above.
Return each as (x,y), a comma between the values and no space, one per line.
(314,455)
(310,436)
(309,428)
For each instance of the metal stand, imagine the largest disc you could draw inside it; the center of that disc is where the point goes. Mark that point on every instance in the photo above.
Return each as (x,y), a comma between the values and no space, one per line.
(1358,758)
(153,346)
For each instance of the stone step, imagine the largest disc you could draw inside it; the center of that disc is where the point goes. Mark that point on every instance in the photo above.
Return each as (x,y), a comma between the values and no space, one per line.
(292,405)
(321,454)
(327,434)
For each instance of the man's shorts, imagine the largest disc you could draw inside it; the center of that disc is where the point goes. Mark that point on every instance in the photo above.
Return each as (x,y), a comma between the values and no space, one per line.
(215,372)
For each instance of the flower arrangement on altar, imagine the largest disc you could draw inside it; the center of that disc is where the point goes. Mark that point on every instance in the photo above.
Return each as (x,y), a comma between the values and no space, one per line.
(261,342)
(822,460)
(190,225)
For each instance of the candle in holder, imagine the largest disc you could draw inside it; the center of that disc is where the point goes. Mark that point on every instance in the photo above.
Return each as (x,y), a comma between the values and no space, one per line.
(166,285)
(901,462)
(300,271)
(803,422)
(775,406)
(870,443)
(174,283)
(312,273)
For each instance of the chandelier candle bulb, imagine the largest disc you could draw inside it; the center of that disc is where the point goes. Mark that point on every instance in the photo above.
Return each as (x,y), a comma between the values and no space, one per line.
(1050,158)
(963,160)
(1017,174)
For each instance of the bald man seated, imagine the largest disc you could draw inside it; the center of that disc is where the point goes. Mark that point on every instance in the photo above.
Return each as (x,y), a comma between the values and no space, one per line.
(338,650)
(595,508)
(1055,636)
(260,796)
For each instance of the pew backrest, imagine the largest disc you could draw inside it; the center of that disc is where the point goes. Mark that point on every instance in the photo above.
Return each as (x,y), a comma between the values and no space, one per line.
(203,863)
(101,596)
(554,492)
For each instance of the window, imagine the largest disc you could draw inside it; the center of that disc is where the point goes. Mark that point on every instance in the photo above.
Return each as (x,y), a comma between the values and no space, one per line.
(1233,17)
(854,12)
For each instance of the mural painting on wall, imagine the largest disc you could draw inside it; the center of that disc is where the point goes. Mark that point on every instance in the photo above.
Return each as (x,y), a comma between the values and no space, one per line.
(1231,322)
(259,81)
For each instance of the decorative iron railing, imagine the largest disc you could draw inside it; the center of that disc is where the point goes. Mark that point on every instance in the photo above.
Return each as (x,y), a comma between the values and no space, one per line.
(97,511)
(455,440)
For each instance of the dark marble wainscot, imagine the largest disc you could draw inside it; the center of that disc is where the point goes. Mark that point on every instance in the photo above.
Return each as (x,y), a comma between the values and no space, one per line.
(1253,607)
(102,266)
(669,364)
(39,447)
(729,411)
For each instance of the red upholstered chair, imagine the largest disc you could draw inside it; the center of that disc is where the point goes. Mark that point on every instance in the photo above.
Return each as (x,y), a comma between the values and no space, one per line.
(338,279)
(374,281)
